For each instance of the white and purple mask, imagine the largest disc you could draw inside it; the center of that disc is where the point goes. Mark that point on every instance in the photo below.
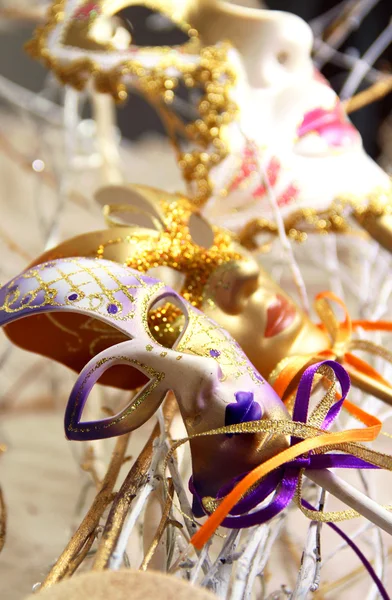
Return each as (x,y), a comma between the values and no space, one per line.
(74,307)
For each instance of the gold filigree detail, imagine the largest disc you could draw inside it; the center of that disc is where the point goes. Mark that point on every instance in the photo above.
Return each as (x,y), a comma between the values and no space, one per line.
(97,301)
(203,334)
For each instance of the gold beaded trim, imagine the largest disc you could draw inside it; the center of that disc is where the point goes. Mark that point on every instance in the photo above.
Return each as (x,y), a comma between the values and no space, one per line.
(213,76)
(306,221)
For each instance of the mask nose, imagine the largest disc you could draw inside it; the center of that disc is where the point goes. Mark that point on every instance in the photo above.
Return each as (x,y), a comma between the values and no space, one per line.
(232,284)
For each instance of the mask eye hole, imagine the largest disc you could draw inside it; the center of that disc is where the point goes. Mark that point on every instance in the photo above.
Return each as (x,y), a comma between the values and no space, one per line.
(282,57)
(150,28)
(201,231)
(167,320)
(113,400)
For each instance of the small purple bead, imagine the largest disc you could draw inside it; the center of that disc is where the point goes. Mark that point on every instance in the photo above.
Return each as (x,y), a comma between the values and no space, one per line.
(26,299)
(214,353)
(73,297)
(112,309)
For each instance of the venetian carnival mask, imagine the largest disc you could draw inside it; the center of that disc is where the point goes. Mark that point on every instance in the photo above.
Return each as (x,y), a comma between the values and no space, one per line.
(260,116)
(93,315)
(163,235)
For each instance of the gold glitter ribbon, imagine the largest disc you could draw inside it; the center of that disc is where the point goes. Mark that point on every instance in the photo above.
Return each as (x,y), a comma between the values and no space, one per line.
(314,439)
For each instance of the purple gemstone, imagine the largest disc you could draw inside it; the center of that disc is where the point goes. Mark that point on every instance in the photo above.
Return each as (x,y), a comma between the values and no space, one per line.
(26,299)
(112,309)
(73,297)
(214,353)
(244,409)
(13,289)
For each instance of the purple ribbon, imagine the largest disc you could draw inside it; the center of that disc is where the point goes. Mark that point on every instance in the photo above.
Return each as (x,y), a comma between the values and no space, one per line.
(383,592)
(283,480)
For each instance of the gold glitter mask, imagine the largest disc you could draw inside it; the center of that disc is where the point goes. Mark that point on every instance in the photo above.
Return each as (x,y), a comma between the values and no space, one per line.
(95,40)
(224,280)
(163,235)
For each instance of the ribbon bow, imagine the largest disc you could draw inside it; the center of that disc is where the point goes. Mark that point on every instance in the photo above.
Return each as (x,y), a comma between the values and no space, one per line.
(283,472)
(286,375)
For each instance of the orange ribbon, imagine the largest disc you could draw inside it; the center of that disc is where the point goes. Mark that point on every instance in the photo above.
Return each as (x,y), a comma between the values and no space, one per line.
(340,333)
(321,441)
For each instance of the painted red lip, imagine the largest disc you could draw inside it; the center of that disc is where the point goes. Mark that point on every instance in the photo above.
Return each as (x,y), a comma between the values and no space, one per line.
(280,315)
(332,125)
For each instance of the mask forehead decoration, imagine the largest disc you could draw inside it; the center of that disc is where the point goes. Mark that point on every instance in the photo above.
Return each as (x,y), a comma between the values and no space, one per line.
(211,377)
(264,114)
(84,40)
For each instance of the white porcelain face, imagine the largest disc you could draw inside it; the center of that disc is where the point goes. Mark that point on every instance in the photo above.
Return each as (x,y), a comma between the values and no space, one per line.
(293,124)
